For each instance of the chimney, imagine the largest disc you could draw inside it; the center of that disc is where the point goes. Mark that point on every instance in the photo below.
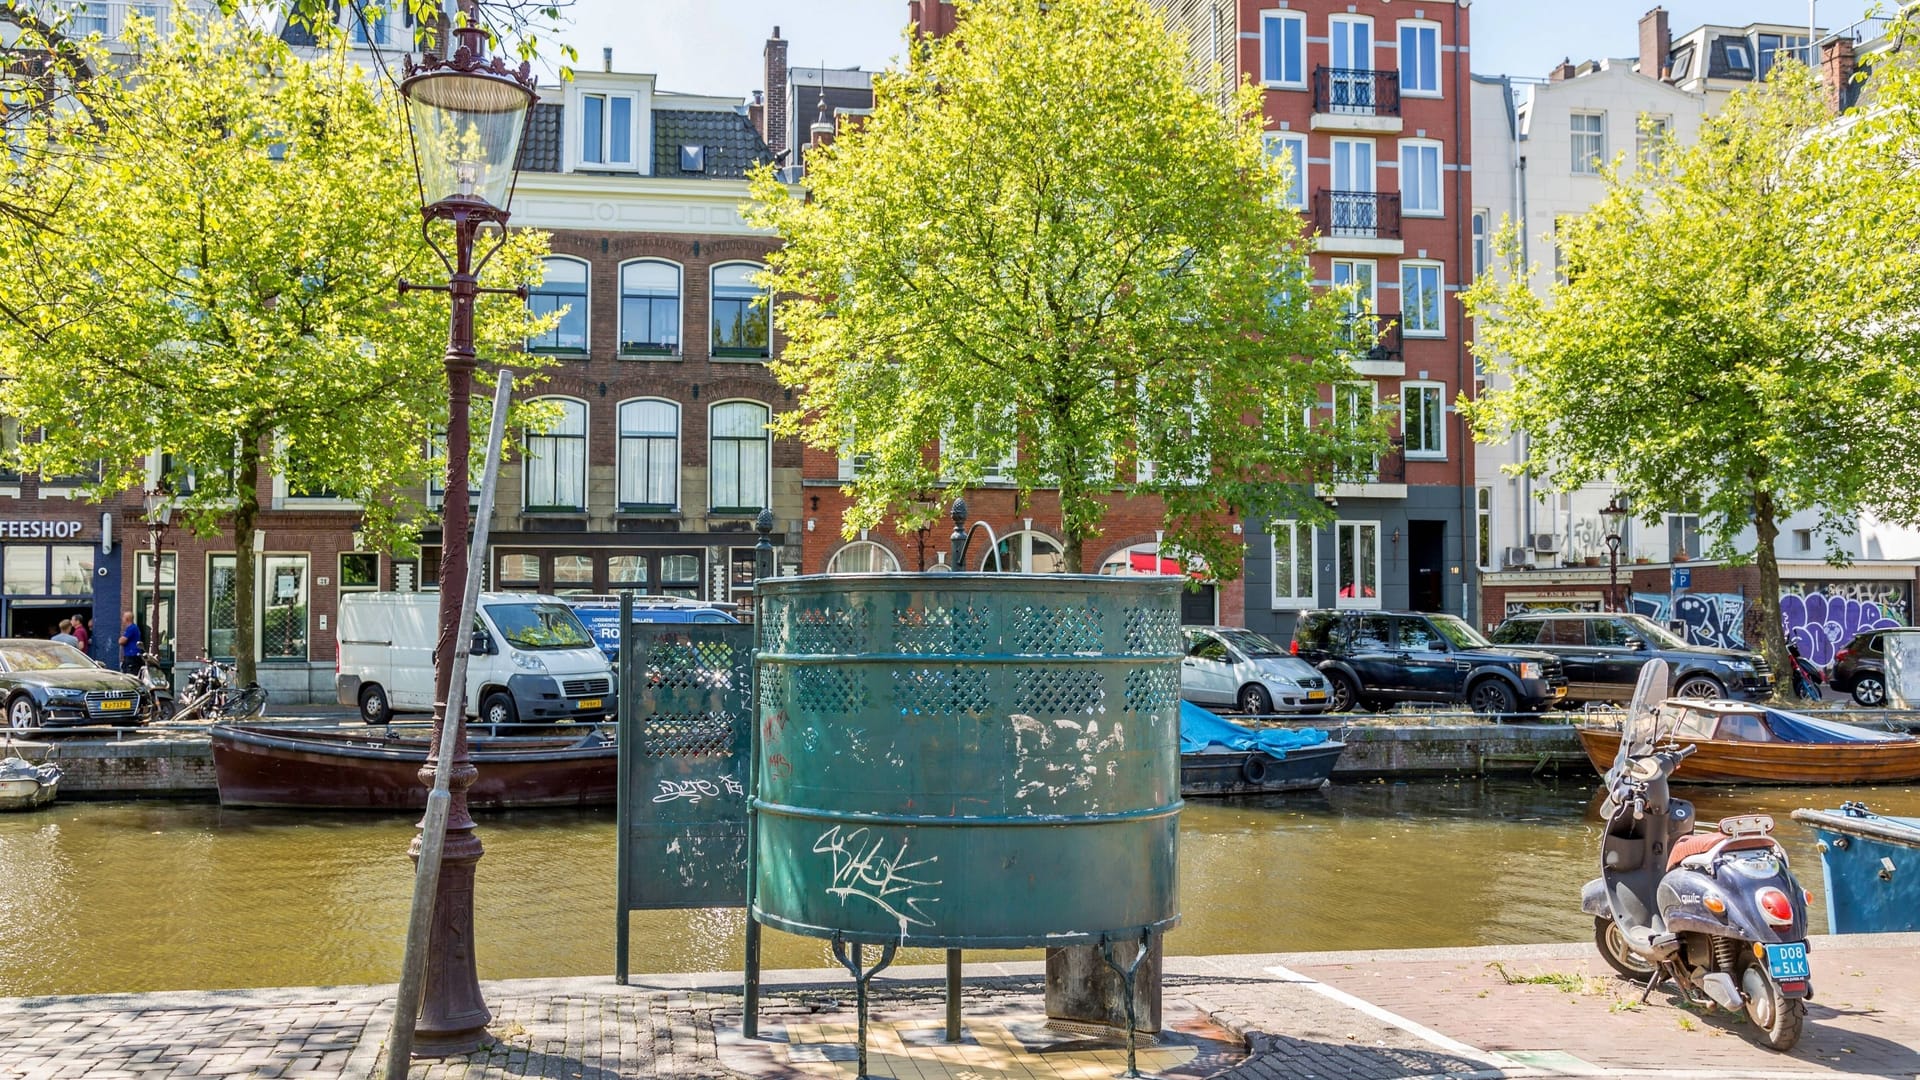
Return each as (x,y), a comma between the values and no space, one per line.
(1563,72)
(606,59)
(1656,44)
(776,91)
(757,113)
(931,18)
(1837,66)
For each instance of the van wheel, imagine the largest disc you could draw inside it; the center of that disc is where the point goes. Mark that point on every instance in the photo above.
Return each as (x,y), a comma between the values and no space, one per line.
(497,709)
(374,708)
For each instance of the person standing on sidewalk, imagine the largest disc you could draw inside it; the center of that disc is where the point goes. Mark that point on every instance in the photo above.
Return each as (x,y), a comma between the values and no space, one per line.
(79,632)
(65,636)
(129,644)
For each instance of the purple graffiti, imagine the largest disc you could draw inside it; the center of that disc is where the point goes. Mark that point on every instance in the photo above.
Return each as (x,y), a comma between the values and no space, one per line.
(1820,624)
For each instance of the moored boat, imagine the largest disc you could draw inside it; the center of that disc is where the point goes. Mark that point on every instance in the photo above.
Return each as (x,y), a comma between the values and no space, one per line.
(24,785)
(1872,866)
(1219,757)
(362,769)
(1739,743)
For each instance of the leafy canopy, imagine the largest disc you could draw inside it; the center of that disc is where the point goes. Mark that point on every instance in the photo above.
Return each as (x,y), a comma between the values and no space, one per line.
(1044,240)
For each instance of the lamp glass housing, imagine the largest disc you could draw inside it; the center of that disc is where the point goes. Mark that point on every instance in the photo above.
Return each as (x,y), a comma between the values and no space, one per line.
(466,135)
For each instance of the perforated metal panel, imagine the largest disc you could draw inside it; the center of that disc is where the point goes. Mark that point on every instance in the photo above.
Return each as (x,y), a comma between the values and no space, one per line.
(686,714)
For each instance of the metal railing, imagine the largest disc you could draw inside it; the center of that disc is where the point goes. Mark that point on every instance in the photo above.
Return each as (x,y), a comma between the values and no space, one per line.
(1357,215)
(1370,337)
(1356,92)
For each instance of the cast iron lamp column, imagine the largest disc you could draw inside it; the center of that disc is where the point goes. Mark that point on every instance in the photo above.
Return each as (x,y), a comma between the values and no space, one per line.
(1613,512)
(466,116)
(159,515)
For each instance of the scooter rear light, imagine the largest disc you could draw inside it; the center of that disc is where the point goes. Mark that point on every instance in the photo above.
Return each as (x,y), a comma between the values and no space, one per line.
(1776,907)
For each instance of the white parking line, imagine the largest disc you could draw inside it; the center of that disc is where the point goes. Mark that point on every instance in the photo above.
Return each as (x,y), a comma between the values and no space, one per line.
(1421,1031)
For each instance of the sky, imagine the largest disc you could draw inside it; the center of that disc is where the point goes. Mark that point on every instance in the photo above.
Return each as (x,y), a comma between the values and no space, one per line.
(714,46)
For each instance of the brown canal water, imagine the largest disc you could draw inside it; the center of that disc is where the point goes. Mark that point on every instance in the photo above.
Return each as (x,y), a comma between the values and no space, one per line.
(98,897)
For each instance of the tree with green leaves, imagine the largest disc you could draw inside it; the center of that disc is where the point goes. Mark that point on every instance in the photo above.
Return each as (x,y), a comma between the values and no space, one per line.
(1043,241)
(218,289)
(1720,340)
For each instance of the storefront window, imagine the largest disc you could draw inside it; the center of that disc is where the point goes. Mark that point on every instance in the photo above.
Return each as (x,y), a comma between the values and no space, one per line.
(143,596)
(283,602)
(221,621)
(680,576)
(72,571)
(572,574)
(519,571)
(24,569)
(627,573)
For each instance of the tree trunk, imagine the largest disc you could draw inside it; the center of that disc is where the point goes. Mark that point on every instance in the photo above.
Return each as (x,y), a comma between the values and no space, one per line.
(246,508)
(1766,606)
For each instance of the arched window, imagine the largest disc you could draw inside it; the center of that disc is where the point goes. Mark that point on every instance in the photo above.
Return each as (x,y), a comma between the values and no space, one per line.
(740,312)
(556,461)
(1025,553)
(863,557)
(737,457)
(650,308)
(564,290)
(649,454)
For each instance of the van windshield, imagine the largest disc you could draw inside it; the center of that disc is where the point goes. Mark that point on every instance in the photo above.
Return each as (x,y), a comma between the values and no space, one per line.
(540,626)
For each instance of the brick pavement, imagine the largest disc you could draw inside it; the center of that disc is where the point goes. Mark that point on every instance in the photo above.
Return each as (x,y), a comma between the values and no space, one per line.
(1447,1014)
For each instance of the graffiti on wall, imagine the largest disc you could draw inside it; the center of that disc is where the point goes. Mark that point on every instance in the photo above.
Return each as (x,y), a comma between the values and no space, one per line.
(1711,619)
(1536,607)
(1821,617)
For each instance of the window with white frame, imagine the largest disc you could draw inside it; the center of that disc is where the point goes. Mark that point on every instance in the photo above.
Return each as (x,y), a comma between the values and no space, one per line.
(1291,146)
(1356,564)
(1483,527)
(1589,139)
(1294,551)
(1651,134)
(556,460)
(737,457)
(1683,535)
(1482,246)
(1421,295)
(1423,419)
(563,291)
(991,472)
(650,308)
(1353,407)
(863,557)
(606,129)
(1360,274)
(1420,178)
(1350,46)
(741,312)
(1420,59)
(1352,165)
(649,454)
(1027,552)
(1283,49)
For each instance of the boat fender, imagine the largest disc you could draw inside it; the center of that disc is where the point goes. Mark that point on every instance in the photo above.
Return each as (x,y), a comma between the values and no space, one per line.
(1254,769)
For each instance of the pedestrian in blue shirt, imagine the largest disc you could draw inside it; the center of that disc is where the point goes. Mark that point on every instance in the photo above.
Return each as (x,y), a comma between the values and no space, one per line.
(129,644)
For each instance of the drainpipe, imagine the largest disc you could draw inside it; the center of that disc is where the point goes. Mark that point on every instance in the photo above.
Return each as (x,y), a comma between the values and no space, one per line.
(1462,215)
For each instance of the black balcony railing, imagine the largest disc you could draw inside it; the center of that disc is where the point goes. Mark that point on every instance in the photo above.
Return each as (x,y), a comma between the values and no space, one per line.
(1363,215)
(1367,337)
(1356,92)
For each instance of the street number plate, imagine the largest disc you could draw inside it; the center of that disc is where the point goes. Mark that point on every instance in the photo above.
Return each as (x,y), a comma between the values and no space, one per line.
(592,703)
(1788,961)
(117,705)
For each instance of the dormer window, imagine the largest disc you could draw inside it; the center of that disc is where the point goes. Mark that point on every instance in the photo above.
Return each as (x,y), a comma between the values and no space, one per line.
(606,129)
(693,159)
(1738,59)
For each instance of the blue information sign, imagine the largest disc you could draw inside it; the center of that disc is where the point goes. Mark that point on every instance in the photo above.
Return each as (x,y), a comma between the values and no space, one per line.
(1682,578)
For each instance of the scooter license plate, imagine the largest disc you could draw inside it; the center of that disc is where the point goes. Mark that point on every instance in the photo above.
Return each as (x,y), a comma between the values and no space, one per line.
(1788,961)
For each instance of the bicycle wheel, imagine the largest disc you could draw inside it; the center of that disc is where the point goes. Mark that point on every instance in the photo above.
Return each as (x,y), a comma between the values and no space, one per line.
(245,704)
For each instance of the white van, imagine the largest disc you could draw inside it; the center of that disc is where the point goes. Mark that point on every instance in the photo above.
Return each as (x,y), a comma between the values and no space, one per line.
(532,662)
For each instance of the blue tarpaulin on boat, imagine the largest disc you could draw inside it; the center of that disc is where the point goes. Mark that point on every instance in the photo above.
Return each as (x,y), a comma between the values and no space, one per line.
(1200,729)
(1796,727)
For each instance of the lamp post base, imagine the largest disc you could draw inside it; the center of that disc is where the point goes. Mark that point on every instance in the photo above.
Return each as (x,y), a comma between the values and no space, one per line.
(453,1014)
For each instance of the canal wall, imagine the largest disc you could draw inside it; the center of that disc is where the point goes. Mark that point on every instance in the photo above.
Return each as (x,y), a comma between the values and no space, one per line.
(145,766)
(1416,750)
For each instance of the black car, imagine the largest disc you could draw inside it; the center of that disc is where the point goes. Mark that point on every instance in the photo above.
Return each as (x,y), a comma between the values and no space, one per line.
(1604,652)
(48,684)
(1374,658)
(1860,669)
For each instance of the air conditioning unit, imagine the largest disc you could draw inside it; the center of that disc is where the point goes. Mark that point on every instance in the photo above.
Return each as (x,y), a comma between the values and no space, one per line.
(1514,557)
(1545,542)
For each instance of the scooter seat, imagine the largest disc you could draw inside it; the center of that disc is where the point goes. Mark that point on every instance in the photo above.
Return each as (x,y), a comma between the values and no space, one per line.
(1701,843)
(1660,947)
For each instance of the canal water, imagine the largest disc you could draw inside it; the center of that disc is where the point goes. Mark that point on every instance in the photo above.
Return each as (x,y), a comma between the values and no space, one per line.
(99,897)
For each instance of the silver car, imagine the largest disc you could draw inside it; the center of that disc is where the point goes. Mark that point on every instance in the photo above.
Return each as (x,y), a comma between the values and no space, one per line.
(1235,667)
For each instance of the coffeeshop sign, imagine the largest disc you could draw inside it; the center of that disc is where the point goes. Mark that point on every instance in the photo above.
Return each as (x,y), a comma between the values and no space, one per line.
(38,529)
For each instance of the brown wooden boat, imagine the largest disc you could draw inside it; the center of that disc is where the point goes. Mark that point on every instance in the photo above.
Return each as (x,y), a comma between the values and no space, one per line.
(1740,743)
(371,769)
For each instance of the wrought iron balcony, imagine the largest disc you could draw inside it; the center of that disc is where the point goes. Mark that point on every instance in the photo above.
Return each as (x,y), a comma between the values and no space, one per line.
(1356,92)
(1357,215)
(1371,338)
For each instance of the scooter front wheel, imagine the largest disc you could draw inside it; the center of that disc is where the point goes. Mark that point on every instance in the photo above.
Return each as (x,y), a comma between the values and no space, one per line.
(1613,949)
(1779,1018)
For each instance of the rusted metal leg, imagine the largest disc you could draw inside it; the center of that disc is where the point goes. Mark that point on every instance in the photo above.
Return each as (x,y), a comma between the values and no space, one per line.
(849,957)
(953,995)
(1131,994)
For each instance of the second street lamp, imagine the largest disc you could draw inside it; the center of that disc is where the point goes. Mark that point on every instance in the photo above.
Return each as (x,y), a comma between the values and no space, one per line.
(1613,512)
(466,115)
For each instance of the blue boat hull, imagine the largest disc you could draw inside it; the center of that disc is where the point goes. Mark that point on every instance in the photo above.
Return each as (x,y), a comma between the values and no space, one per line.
(1872,867)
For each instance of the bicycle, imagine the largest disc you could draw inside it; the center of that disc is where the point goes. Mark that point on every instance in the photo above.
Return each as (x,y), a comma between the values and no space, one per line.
(210,694)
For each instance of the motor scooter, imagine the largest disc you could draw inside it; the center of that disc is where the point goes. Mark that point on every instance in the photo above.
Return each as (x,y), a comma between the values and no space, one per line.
(157,689)
(1717,912)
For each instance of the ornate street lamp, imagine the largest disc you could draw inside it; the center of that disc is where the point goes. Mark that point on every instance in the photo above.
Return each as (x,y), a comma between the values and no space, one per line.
(1614,512)
(466,115)
(159,514)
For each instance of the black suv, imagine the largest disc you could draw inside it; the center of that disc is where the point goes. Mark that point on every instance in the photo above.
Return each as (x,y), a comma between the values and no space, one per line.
(1860,669)
(1603,654)
(1374,658)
